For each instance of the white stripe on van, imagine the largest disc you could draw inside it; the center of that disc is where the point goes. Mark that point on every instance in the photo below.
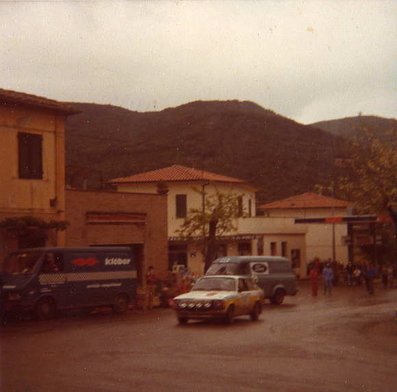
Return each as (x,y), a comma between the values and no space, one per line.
(85,276)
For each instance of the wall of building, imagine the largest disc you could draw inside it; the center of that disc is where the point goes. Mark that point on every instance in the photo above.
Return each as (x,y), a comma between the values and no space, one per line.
(194,197)
(151,232)
(319,242)
(40,198)
(305,212)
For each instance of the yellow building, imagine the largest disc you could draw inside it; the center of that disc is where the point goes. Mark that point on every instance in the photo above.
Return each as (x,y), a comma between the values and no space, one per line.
(32,170)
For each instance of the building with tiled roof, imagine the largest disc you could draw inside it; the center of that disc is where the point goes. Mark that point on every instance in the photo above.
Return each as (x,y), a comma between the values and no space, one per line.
(306,200)
(178,173)
(188,188)
(321,239)
(11,98)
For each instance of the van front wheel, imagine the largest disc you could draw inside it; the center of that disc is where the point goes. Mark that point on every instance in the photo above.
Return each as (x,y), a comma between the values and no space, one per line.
(278,297)
(121,303)
(45,309)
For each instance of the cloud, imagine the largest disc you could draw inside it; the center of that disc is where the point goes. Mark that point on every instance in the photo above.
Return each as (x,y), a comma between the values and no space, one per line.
(292,57)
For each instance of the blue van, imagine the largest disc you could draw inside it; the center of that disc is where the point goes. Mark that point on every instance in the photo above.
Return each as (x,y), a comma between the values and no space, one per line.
(44,280)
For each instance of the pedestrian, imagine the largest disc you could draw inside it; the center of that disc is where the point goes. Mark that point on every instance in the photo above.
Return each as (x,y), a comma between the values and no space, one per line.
(370,275)
(151,281)
(328,277)
(314,274)
(390,273)
(385,275)
(349,273)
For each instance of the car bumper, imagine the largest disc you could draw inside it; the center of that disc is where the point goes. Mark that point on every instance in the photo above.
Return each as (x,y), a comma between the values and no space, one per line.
(201,314)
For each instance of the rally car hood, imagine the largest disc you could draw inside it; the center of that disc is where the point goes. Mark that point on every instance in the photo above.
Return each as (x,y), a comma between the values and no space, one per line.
(206,295)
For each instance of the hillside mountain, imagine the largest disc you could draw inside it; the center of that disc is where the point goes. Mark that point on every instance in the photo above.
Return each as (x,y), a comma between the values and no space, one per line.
(240,139)
(351,126)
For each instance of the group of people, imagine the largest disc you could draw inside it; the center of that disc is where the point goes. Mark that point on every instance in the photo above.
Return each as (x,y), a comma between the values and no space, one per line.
(354,274)
(327,273)
(177,281)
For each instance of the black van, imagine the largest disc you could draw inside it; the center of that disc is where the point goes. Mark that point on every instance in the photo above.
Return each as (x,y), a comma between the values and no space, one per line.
(44,280)
(273,274)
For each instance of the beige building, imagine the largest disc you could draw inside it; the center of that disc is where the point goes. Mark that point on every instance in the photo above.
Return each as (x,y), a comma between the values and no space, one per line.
(325,239)
(187,189)
(32,169)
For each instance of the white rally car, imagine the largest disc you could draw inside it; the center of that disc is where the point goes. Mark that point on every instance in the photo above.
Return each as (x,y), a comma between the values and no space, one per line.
(220,297)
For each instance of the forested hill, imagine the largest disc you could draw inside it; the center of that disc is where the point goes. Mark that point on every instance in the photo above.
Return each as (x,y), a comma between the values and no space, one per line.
(240,139)
(351,126)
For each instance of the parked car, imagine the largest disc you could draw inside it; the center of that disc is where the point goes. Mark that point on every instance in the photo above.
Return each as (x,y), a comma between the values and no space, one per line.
(222,297)
(273,274)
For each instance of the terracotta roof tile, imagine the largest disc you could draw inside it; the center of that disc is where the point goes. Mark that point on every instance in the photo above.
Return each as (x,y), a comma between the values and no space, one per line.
(15,98)
(305,200)
(176,173)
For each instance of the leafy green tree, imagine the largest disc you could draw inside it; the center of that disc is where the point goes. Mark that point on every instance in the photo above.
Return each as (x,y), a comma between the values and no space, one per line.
(216,217)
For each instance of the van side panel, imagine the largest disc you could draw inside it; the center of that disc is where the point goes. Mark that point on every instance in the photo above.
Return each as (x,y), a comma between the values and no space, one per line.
(96,278)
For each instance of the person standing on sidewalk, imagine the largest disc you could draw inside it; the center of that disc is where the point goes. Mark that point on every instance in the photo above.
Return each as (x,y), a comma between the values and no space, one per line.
(328,277)
(314,275)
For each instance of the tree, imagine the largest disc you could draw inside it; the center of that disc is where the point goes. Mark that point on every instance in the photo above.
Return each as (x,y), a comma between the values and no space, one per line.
(216,216)
(371,180)
(31,230)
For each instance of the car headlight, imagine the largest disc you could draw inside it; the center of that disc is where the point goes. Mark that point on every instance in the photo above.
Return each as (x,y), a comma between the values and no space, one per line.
(14,296)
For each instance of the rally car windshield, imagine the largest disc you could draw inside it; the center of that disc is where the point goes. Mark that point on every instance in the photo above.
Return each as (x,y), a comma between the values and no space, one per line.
(217,284)
(21,263)
(228,269)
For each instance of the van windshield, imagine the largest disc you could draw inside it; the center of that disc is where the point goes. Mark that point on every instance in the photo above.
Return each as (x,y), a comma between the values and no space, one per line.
(21,263)
(224,269)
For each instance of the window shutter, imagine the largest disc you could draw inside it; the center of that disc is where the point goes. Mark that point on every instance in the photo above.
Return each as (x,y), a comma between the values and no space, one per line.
(30,155)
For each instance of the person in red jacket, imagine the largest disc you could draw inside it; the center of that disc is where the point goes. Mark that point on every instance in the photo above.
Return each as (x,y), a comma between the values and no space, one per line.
(314,275)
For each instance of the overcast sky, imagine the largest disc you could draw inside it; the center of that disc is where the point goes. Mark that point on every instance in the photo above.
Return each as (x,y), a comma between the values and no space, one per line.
(306,60)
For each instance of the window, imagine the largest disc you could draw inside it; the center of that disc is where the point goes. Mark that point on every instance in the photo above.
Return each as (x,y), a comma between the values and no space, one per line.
(30,155)
(177,255)
(273,248)
(244,248)
(249,207)
(260,246)
(284,249)
(240,206)
(181,206)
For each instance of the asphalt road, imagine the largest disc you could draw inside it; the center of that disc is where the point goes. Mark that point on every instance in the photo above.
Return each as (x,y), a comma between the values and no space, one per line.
(344,343)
